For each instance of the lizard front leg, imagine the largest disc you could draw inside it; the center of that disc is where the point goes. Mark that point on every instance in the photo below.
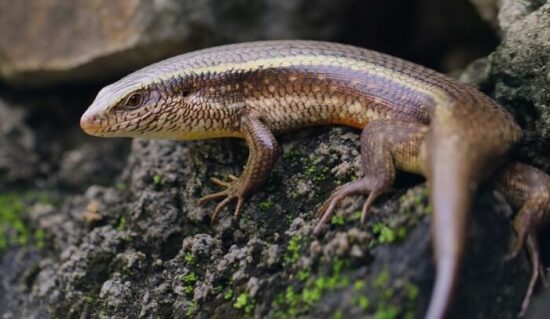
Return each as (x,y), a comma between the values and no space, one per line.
(261,158)
(386,145)
(527,189)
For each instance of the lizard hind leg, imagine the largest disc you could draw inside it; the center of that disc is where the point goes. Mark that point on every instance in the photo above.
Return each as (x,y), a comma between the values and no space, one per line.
(386,145)
(528,189)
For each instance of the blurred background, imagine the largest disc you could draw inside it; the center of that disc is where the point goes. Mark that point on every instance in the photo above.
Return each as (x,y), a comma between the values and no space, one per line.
(55,55)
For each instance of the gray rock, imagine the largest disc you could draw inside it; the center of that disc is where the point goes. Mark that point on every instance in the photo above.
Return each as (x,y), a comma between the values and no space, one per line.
(92,163)
(151,254)
(520,73)
(18,158)
(68,41)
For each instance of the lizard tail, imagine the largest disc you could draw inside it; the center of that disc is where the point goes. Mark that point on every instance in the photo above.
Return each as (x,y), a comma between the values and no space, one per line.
(451,191)
(458,154)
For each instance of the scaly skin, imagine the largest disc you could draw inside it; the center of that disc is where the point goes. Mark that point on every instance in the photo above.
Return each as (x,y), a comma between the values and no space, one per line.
(413,119)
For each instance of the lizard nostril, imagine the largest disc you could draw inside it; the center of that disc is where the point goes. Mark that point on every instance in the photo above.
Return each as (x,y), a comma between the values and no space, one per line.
(89,123)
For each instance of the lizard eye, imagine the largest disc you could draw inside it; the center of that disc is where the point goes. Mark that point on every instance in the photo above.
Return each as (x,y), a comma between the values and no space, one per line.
(134,101)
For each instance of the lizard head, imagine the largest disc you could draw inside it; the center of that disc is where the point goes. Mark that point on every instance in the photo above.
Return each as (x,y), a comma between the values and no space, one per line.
(165,100)
(131,107)
(149,104)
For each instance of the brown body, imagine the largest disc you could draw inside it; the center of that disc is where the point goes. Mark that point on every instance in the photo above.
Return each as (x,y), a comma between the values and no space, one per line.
(412,119)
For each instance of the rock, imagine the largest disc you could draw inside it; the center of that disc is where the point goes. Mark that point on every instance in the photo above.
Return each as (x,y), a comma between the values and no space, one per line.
(18,158)
(520,73)
(155,253)
(87,40)
(95,163)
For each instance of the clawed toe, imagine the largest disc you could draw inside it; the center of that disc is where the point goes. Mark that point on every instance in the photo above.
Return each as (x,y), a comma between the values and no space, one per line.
(361,186)
(214,196)
(326,210)
(229,194)
(221,205)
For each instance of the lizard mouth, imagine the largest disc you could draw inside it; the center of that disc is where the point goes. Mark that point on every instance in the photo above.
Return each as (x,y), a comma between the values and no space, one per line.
(90,124)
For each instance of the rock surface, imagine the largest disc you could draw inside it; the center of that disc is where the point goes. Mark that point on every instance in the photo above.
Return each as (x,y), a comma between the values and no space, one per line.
(520,73)
(150,251)
(84,40)
(18,159)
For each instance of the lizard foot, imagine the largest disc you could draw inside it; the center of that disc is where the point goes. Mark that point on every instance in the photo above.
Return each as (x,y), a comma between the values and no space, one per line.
(532,214)
(527,237)
(361,186)
(231,192)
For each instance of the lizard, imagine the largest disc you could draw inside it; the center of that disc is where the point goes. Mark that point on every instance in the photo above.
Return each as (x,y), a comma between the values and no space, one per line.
(412,119)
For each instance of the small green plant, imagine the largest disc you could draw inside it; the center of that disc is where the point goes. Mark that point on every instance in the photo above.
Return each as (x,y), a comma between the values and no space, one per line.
(157,179)
(191,309)
(189,280)
(303,275)
(387,235)
(338,220)
(412,291)
(120,186)
(244,303)
(338,314)
(189,258)
(293,250)
(386,312)
(228,294)
(40,238)
(12,228)
(382,279)
(121,224)
(364,302)
(266,205)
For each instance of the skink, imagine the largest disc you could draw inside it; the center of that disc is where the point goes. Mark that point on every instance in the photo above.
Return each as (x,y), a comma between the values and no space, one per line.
(412,119)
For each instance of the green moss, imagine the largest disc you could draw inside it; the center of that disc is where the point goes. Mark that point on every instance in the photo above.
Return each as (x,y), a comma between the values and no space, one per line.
(228,294)
(338,220)
(121,224)
(266,205)
(293,153)
(157,179)
(338,314)
(39,238)
(311,296)
(386,291)
(303,275)
(356,215)
(120,186)
(189,258)
(189,280)
(13,226)
(363,302)
(358,285)
(295,302)
(382,279)
(13,230)
(293,250)
(386,312)
(315,172)
(386,235)
(412,291)
(415,201)
(244,303)
(191,309)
